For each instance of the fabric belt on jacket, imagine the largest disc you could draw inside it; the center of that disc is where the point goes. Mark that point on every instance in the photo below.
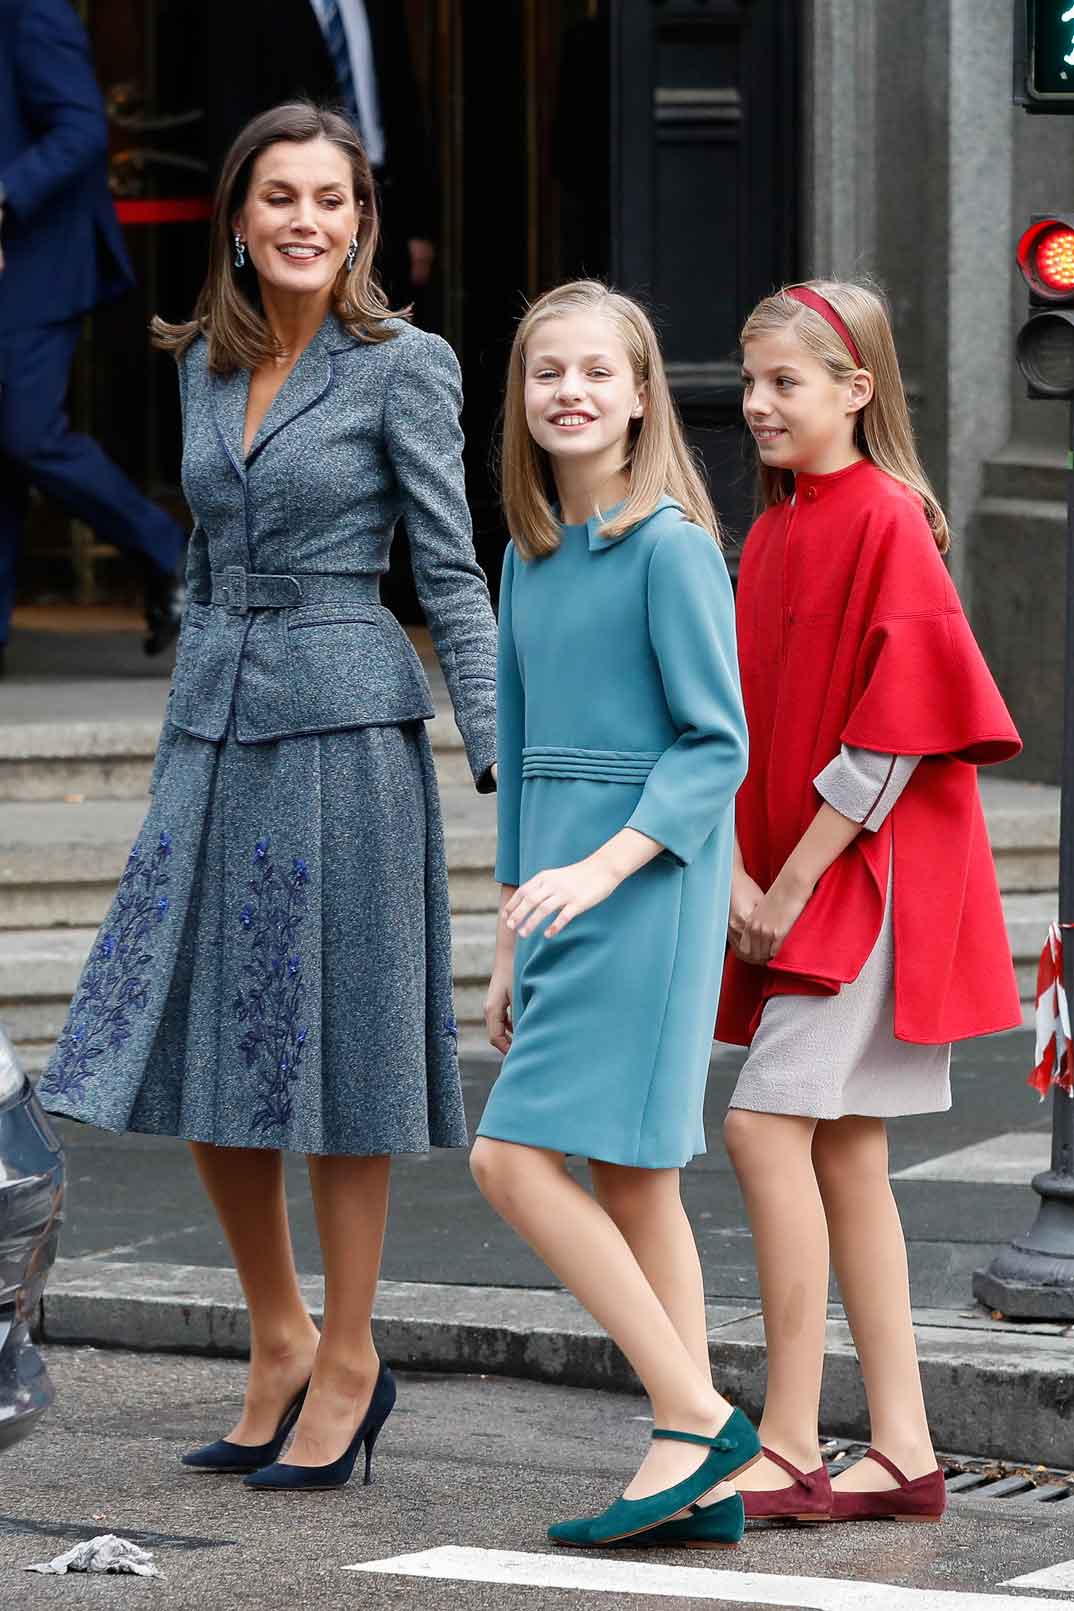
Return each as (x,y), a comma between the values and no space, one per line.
(603,766)
(238,590)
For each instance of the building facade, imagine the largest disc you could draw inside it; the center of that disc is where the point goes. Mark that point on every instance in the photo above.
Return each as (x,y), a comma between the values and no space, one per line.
(699,152)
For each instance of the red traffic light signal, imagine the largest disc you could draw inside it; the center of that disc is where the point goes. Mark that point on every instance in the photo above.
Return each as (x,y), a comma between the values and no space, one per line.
(1045,344)
(1046,258)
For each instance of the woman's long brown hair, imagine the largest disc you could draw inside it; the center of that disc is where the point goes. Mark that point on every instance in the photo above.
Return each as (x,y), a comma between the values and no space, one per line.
(228,310)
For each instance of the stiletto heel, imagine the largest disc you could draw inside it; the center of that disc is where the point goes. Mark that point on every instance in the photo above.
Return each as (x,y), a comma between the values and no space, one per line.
(370,1440)
(282,1477)
(233,1459)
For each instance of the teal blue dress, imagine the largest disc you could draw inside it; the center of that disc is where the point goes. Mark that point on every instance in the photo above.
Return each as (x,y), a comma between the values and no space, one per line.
(618,706)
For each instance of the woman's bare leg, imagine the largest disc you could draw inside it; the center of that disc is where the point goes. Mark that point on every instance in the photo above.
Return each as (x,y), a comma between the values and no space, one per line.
(771,1153)
(869,1254)
(646,1206)
(245,1186)
(531,1189)
(350,1196)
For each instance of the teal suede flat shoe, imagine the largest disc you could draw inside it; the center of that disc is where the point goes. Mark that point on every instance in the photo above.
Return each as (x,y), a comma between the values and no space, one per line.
(718,1526)
(735,1447)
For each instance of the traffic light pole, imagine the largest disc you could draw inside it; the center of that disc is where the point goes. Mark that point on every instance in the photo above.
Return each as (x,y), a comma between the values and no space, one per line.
(1033,1278)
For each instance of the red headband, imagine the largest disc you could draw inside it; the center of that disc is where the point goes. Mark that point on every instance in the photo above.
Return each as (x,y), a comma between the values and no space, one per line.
(821,305)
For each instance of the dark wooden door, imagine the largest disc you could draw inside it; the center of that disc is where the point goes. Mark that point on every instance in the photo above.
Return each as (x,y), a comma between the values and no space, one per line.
(704,178)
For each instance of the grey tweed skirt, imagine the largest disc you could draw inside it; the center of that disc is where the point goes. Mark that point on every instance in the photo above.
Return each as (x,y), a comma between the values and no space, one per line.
(275,969)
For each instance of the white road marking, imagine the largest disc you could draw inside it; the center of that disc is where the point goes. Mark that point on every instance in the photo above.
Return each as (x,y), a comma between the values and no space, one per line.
(600,1573)
(1008,1160)
(1050,1577)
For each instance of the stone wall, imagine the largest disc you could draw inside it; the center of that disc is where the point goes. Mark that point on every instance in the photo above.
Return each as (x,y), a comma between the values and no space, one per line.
(921,174)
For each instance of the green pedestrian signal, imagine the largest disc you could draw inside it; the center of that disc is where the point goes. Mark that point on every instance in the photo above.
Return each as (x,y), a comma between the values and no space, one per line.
(1044,55)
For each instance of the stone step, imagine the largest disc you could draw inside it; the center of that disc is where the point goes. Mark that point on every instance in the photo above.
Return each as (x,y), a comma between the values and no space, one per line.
(100,759)
(39,970)
(1027,471)
(59,863)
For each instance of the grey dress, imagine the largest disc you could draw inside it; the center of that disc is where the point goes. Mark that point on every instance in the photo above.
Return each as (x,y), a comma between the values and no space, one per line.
(825,1057)
(275,970)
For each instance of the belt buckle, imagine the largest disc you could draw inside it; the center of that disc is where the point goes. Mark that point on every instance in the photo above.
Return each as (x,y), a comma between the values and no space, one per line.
(235,590)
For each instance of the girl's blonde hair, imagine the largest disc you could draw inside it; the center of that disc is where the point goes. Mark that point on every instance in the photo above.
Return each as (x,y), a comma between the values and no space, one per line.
(228,310)
(658,461)
(882,430)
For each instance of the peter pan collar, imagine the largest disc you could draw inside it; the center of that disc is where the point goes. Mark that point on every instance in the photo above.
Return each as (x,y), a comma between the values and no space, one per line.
(598,544)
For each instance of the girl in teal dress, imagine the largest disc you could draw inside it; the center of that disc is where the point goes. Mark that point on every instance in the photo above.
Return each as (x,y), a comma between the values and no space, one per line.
(621,743)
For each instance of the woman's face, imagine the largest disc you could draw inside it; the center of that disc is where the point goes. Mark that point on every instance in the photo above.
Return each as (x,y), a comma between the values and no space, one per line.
(299,215)
(580,393)
(800,417)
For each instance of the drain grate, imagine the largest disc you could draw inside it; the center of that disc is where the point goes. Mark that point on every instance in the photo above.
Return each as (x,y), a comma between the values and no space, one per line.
(969,1478)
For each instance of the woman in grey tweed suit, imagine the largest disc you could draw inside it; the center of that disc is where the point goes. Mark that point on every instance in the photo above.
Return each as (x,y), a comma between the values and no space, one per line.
(275,971)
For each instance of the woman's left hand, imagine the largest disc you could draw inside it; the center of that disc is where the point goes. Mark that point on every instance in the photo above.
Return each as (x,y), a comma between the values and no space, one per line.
(771,920)
(563,890)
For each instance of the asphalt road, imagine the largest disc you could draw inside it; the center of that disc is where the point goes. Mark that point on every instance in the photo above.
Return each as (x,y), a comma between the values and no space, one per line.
(137,1198)
(473,1463)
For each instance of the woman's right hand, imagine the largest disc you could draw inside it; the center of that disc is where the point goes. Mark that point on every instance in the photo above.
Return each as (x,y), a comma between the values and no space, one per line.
(498,1005)
(745,894)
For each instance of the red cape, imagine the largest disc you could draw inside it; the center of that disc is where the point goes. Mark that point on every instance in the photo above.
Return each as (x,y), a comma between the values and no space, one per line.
(850,631)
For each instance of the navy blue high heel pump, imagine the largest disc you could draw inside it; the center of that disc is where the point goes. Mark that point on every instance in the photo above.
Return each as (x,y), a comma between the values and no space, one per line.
(281,1476)
(236,1458)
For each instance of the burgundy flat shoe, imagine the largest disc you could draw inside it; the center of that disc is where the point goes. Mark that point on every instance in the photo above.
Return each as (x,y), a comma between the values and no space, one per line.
(922,1500)
(808,1499)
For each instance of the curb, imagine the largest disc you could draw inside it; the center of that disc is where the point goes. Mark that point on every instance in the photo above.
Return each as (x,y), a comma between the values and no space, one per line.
(1003,1391)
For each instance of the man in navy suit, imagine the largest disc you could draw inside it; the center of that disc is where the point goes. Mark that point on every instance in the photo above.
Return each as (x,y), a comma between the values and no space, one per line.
(62,254)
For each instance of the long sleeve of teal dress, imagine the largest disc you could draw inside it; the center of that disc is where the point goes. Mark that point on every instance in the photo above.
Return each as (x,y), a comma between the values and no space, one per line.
(510,734)
(692,631)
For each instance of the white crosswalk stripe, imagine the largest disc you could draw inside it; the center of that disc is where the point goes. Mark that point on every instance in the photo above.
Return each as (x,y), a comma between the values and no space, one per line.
(561,1570)
(1010,1160)
(1050,1577)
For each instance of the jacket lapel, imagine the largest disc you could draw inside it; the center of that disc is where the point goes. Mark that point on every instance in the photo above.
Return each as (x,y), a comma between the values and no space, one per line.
(304,386)
(229,394)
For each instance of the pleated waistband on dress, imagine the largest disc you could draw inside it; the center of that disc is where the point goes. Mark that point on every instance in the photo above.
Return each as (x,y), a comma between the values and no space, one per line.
(602,766)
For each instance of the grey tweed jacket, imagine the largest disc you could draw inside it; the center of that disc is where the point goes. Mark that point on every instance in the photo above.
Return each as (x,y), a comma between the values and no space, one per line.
(283,627)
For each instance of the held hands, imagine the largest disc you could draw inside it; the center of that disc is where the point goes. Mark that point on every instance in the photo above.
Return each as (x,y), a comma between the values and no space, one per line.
(566,891)
(771,920)
(746,894)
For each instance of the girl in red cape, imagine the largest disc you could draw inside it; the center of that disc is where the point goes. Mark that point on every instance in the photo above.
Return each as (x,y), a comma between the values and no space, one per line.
(866,931)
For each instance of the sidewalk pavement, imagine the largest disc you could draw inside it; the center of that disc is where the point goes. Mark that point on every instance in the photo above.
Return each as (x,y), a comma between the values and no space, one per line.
(145,1266)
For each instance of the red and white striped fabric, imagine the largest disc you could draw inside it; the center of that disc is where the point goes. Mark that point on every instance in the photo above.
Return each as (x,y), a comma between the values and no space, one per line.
(1055,1062)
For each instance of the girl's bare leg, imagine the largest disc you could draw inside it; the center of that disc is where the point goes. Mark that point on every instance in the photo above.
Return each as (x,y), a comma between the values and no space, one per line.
(646,1206)
(531,1189)
(869,1254)
(771,1153)
(245,1186)
(350,1196)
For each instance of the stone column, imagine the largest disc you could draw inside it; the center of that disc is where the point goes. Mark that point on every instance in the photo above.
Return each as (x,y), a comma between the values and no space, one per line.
(965,228)
(839,203)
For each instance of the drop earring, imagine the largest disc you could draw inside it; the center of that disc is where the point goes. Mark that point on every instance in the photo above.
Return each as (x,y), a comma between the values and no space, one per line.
(352,252)
(240,250)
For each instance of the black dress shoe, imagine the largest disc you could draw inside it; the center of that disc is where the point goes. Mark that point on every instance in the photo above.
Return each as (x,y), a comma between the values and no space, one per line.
(164,594)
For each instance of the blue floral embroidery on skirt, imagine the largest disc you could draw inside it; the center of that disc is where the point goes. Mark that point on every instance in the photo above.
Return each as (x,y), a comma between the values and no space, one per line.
(116,982)
(271,1004)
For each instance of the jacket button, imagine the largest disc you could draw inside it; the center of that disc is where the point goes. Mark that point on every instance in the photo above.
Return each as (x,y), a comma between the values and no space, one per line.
(811,494)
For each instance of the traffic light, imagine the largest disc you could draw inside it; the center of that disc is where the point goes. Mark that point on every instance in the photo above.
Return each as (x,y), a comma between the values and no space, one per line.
(1045,344)
(1044,55)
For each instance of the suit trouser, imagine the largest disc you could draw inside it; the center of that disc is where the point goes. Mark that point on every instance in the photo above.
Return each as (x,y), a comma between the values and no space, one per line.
(38,448)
